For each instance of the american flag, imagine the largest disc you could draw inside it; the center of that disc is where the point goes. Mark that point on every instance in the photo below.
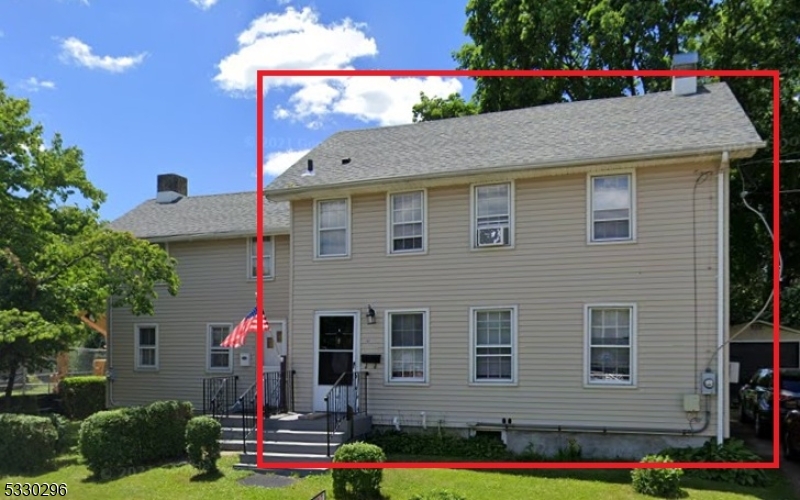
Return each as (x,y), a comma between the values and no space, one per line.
(249,324)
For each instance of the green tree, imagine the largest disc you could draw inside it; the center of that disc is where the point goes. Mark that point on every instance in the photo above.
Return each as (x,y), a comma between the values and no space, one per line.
(617,34)
(436,108)
(58,258)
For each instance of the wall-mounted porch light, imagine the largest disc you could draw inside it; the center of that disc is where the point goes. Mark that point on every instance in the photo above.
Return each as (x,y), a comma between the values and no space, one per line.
(370,315)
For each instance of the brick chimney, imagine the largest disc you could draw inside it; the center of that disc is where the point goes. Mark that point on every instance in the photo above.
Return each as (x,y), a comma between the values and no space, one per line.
(171,188)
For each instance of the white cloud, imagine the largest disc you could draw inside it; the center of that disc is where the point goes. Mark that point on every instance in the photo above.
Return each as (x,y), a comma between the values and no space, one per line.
(284,2)
(33,84)
(276,163)
(314,45)
(204,4)
(74,50)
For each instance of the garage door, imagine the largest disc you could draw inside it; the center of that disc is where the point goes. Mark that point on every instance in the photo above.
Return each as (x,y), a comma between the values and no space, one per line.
(754,355)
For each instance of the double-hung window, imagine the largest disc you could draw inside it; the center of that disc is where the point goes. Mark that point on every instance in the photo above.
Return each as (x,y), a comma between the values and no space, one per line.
(269,259)
(219,358)
(610,341)
(494,345)
(611,216)
(493,218)
(333,228)
(146,347)
(407,336)
(407,222)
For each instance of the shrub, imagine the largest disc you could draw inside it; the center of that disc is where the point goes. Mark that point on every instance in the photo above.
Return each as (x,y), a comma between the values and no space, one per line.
(164,429)
(202,443)
(361,484)
(60,424)
(128,437)
(572,453)
(27,443)
(439,495)
(732,450)
(663,483)
(440,444)
(108,442)
(82,396)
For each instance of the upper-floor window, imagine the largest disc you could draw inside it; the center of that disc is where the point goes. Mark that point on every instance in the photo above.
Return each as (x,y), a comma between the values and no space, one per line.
(493,215)
(333,228)
(611,215)
(407,222)
(269,257)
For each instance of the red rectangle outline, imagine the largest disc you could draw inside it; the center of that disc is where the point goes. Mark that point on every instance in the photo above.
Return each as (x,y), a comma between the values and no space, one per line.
(260,74)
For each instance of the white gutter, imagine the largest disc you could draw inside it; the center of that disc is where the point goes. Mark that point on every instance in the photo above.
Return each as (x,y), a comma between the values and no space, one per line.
(722,379)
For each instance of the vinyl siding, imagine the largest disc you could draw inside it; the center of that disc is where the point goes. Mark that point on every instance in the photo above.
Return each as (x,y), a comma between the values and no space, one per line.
(214,289)
(550,274)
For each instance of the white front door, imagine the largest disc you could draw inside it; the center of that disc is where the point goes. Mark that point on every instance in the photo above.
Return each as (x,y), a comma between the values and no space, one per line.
(336,342)
(274,346)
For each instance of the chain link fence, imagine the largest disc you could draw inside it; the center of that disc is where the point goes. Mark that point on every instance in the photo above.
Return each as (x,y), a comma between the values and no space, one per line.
(78,361)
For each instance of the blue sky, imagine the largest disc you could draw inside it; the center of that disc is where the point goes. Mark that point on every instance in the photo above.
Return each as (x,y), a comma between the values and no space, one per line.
(145,87)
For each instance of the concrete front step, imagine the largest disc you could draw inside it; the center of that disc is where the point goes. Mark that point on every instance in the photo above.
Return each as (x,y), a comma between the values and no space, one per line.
(282,458)
(282,447)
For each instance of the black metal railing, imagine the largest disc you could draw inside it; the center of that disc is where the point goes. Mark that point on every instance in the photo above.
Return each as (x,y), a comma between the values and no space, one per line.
(219,395)
(346,399)
(278,398)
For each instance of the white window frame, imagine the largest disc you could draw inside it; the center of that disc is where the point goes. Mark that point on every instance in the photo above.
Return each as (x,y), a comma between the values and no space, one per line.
(269,253)
(587,346)
(390,223)
(210,349)
(425,347)
(138,347)
(474,214)
(590,239)
(473,311)
(347,228)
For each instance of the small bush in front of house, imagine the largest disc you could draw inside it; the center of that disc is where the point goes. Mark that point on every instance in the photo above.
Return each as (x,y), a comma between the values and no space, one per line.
(439,494)
(358,484)
(202,443)
(662,483)
(732,450)
(164,430)
(108,442)
(27,443)
(82,396)
(60,424)
(570,453)
(138,435)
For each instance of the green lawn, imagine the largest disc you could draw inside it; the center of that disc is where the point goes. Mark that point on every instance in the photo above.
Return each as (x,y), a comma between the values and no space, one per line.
(182,482)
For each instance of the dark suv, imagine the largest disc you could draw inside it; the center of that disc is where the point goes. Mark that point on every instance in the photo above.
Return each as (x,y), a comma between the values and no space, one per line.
(755,398)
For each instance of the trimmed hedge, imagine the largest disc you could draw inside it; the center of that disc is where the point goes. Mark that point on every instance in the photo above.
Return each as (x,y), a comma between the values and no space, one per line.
(82,396)
(358,484)
(661,483)
(27,443)
(202,443)
(139,435)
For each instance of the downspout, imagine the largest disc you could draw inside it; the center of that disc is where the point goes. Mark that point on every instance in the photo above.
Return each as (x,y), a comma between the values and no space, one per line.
(721,308)
(109,343)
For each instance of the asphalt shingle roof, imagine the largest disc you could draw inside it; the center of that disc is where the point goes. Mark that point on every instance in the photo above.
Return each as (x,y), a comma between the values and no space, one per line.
(649,125)
(197,216)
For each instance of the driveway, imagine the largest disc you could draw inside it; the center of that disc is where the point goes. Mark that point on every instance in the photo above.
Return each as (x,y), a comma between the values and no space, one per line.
(763,448)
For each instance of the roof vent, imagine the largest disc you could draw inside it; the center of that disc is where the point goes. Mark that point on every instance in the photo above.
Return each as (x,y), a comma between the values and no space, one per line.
(684,85)
(309,169)
(171,188)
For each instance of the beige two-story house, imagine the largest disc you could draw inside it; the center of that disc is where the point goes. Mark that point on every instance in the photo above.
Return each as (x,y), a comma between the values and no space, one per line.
(555,267)
(543,273)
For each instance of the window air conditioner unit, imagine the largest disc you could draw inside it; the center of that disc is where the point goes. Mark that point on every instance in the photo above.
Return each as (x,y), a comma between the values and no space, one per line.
(492,236)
